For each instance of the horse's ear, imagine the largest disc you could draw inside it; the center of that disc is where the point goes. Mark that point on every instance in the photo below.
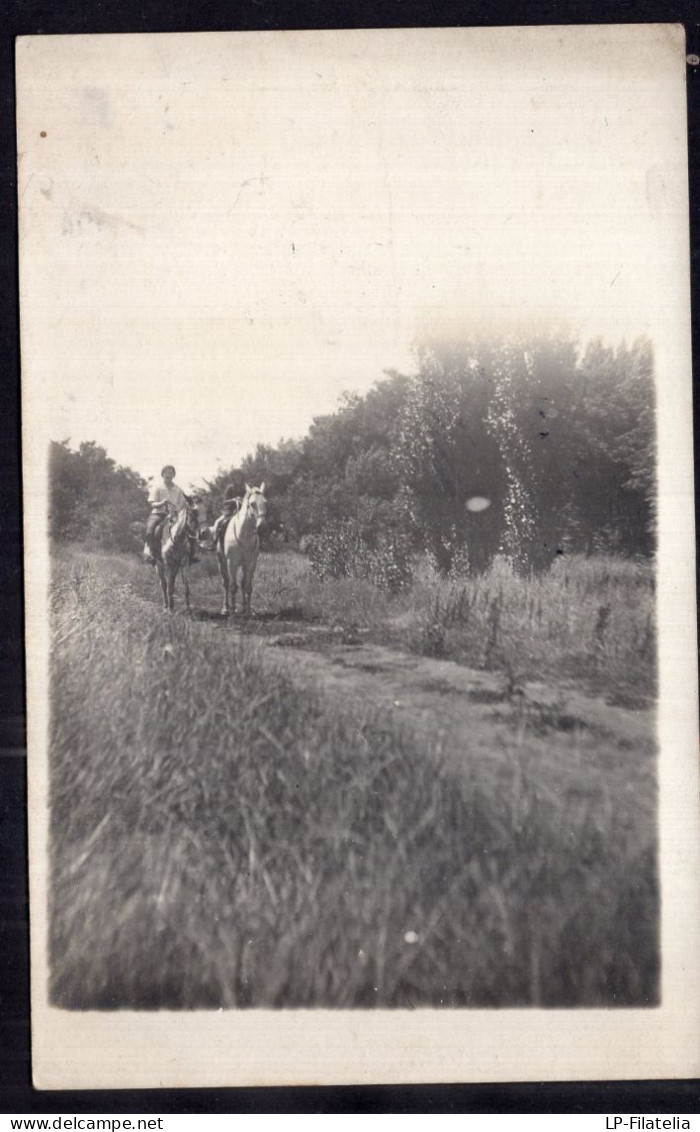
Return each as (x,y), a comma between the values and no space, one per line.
(262,487)
(247,489)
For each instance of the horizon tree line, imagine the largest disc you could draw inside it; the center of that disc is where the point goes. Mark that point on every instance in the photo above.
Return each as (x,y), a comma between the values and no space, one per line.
(556,441)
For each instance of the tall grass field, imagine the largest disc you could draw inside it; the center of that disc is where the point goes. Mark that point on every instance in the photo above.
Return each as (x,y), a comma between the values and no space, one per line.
(226,834)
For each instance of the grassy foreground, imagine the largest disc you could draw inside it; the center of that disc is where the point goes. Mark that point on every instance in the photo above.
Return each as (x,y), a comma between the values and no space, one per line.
(219,839)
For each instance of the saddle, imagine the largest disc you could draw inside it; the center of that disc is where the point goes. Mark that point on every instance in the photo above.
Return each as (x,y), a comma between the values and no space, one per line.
(152,551)
(231,508)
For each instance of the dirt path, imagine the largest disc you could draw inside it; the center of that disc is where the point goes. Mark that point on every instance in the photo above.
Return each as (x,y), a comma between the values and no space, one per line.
(460,707)
(457,706)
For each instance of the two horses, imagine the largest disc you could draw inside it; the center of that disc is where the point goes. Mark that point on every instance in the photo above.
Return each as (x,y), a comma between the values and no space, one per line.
(238,550)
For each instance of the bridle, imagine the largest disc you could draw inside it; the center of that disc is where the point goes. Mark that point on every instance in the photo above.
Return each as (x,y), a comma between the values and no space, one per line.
(190,524)
(192,520)
(251,505)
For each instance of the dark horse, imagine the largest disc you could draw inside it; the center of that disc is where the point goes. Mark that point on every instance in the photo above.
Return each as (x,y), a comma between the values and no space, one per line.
(175,551)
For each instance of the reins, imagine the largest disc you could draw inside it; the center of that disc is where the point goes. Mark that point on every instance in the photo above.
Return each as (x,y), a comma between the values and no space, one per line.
(178,526)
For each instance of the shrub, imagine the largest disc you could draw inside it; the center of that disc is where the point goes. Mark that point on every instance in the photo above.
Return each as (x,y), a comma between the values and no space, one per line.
(343,550)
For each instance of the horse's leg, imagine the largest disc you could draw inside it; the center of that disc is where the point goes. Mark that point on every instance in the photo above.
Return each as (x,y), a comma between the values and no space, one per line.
(246,586)
(169,572)
(171,588)
(233,574)
(223,571)
(186,586)
(248,576)
(160,571)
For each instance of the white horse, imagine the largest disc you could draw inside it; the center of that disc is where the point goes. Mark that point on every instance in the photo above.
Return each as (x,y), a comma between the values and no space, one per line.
(241,546)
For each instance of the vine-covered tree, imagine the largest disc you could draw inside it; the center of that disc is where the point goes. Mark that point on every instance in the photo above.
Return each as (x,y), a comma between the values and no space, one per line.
(448,455)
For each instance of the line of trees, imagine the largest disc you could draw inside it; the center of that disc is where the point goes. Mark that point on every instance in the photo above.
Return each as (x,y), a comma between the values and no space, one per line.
(559,440)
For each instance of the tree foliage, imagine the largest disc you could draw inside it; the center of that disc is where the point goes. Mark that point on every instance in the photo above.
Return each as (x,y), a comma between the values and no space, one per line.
(556,442)
(558,439)
(94,500)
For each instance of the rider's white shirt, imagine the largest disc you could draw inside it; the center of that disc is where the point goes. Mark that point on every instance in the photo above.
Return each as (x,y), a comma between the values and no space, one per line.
(161,495)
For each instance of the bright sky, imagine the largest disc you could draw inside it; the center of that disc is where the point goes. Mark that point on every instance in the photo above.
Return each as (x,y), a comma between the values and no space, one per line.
(222,233)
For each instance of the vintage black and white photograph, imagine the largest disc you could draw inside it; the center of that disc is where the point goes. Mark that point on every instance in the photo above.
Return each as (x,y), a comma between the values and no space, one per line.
(348,361)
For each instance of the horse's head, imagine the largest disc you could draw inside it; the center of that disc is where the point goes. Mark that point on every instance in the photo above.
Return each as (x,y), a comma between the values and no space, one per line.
(199,510)
(192,513)
(256,504)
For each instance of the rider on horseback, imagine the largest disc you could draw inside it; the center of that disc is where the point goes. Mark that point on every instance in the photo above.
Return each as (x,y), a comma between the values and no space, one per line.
(232,503)
(162,496)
